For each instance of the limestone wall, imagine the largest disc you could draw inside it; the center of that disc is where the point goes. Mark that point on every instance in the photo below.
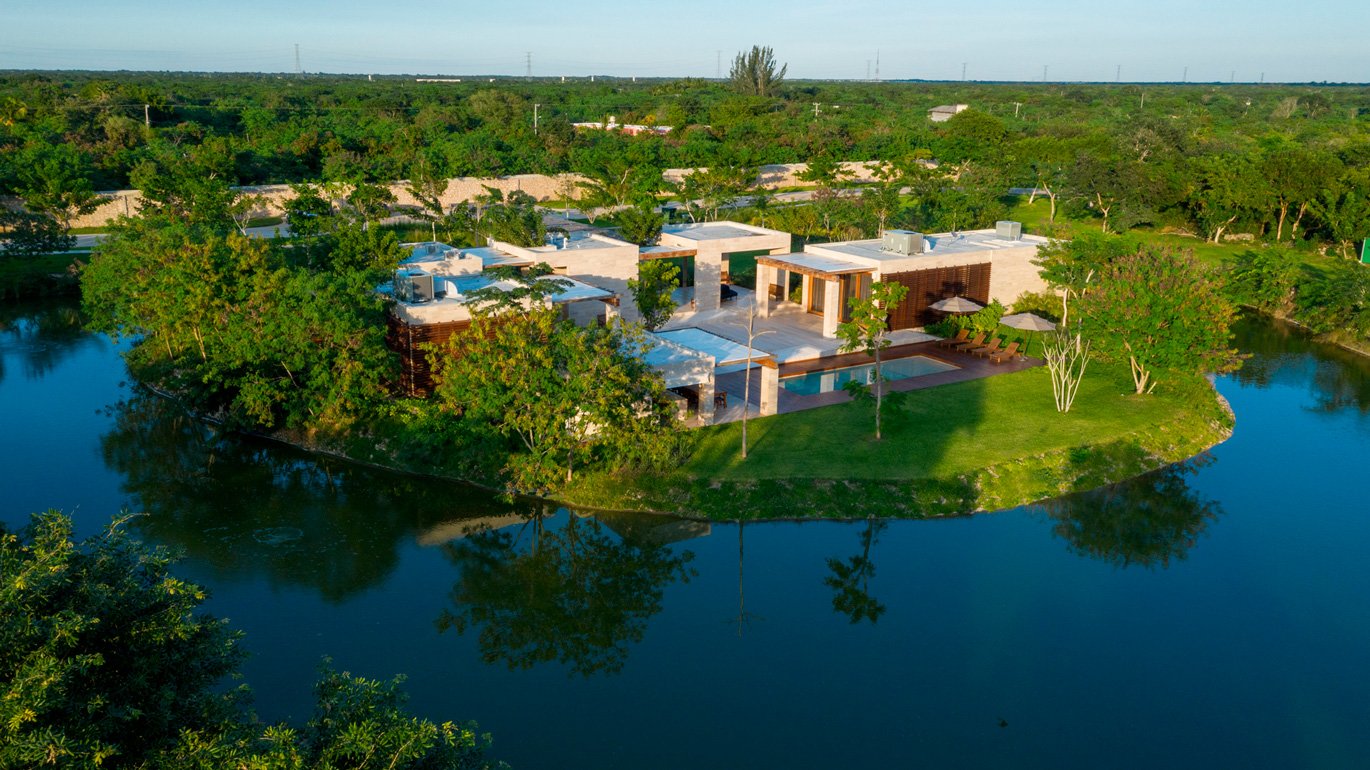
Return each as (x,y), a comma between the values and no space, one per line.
(462,189)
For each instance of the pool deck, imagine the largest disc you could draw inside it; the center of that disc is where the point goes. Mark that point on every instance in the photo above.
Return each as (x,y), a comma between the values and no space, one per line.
(969,368)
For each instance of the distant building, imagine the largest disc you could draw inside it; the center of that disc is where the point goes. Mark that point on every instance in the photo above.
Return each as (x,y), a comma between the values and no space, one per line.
(943,113)
(631,129)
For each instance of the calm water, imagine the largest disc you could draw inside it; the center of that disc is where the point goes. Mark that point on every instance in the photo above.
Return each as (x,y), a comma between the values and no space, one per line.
(1211,615)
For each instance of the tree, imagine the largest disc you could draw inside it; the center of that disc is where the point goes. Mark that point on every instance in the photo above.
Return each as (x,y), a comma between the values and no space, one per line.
(106,661)
(656,280)
(371,202)
(52,179)
(754,72)
(1067,357)
(868,330)
(1229,188)
(102,651)
(25,235)
(561,396)
(640,224)
(1071,266)
(428,190)
(1159,308)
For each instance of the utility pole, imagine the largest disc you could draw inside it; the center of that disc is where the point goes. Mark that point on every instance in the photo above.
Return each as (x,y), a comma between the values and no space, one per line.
(298,71)
(529,57)
(535,119)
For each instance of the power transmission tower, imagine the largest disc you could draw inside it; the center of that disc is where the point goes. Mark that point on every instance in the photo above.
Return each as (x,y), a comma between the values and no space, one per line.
(1044,73)
(963,71)
(1185,77)
(298,71)
(529,56)
(718,64)
(1118,74)
(877,64)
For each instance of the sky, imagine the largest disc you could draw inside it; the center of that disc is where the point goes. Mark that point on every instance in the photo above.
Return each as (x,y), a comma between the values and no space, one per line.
(1163,40)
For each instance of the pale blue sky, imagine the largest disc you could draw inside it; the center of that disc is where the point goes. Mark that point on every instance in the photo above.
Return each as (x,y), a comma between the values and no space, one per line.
(997,39)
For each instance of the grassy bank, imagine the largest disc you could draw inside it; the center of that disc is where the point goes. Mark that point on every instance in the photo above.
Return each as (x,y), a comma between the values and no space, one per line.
(972,446)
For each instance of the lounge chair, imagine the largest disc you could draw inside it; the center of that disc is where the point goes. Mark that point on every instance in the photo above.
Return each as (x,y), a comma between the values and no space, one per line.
(1007,354)
(974,343)
(957,340)
(991,348)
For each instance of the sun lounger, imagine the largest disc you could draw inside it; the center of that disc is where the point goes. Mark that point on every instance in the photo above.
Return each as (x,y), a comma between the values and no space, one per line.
(957,340)
(992,347)
(1007,354)
(974,343)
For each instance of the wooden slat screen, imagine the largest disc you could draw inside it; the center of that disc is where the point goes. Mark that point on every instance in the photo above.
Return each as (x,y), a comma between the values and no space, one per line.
(929,286)
(416,369)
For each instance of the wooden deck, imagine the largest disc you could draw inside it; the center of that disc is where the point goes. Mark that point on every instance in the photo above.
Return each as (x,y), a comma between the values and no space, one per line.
(969,367)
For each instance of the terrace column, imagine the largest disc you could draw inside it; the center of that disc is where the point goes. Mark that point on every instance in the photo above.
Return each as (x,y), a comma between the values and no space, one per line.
(832,307)
(765,276)
(770,388)
(708,280)
(706,401)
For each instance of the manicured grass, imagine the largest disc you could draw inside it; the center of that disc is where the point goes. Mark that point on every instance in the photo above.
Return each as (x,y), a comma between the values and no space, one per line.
(981,445)
(943,431)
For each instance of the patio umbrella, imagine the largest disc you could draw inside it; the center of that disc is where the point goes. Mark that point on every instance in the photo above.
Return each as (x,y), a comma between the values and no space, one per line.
(1027,322)
(956,305)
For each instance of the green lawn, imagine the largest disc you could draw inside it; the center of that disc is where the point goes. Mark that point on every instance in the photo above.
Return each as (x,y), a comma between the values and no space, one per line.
(984,444)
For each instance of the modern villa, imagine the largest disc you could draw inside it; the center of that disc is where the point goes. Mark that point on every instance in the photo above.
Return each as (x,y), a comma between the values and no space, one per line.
(794,360)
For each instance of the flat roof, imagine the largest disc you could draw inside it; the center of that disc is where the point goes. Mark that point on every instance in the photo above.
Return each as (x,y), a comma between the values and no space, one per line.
(493,257)
(933,245)
(722,350)
(711,231)
(572,290)
(814,263)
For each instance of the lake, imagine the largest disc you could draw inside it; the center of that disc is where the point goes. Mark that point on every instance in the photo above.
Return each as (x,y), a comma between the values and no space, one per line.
(1211,614)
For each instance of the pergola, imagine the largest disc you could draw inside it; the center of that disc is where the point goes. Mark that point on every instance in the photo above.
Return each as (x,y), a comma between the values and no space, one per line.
(775,269)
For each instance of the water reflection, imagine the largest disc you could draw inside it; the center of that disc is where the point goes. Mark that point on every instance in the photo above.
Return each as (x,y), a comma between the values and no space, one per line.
(850,579)
(1283,354)
(565,591)
(245,509)
(1147,521)
(41,337)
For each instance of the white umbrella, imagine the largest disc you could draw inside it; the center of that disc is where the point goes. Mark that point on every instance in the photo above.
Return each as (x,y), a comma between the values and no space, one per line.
(956,305)
(1027,322)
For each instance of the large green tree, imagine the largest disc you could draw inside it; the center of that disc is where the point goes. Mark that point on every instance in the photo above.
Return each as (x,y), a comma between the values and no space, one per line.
(652,291)
(1160,309)
(561,396)
(107,661)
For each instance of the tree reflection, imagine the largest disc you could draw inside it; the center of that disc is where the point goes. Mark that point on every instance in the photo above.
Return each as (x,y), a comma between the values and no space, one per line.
(850,580)
(1147,521)
(243,508)
(41,336)
(574,594)
(1280,353)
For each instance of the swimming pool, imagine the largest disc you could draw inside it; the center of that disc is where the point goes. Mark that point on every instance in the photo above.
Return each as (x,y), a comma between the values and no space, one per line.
(827,381)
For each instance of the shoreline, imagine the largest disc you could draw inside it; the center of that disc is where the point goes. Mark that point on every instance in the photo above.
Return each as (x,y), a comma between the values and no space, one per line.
(1021,480)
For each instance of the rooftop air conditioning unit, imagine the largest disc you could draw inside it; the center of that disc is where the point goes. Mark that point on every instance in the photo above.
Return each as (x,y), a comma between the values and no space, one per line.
(423,286)
(1008,230)
(904,242)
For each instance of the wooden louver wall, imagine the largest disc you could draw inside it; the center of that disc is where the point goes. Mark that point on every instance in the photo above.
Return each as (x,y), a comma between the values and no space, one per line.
(929,286)
(416,368)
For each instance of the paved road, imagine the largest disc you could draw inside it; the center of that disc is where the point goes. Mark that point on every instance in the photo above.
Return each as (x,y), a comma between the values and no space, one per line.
(89,240)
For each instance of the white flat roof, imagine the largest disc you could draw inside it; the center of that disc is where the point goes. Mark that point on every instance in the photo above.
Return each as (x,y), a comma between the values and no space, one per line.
(715,231)
(933,245)
(722,350)
(818,263)
(493,257)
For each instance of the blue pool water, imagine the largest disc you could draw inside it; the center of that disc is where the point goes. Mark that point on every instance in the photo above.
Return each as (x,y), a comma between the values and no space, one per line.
(833,379)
